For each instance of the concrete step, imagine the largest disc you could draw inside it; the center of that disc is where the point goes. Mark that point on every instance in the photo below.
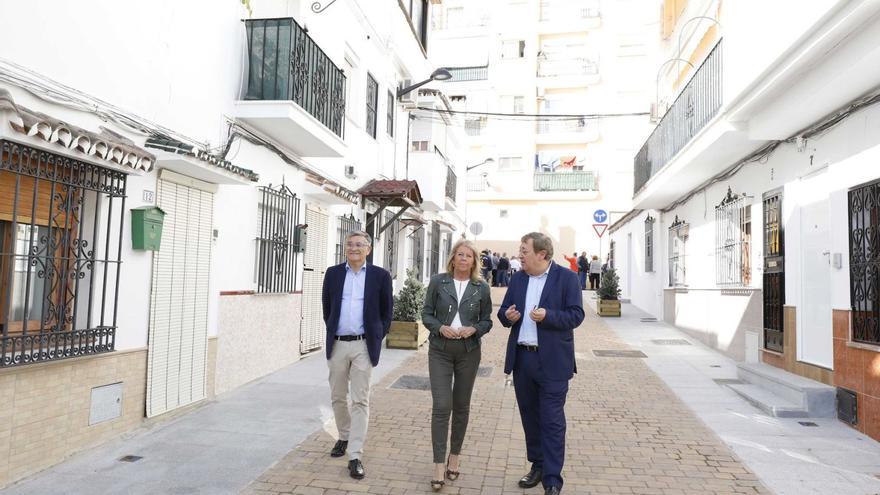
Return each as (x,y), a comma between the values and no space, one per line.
(769,402)
(817,399)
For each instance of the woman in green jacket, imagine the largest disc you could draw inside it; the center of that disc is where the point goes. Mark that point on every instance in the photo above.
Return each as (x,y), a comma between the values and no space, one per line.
(457,312)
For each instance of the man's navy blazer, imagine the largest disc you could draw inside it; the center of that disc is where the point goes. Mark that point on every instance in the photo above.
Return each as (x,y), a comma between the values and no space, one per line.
(378,306)
(562,299)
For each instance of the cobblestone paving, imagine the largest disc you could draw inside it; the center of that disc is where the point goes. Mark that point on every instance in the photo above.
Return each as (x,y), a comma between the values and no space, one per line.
(627,434)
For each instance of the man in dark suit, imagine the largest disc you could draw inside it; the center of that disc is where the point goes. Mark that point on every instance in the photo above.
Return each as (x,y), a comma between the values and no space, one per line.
(357,302)
(540,353)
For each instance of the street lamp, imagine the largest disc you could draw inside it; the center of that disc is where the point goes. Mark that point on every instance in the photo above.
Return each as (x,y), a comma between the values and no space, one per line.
(441,74)
(484,162)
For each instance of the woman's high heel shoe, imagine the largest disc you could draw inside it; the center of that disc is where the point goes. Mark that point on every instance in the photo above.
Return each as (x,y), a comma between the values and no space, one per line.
(452,475)
(437,485)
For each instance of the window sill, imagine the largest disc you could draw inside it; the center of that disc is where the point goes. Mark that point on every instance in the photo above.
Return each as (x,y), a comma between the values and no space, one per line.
(864,347)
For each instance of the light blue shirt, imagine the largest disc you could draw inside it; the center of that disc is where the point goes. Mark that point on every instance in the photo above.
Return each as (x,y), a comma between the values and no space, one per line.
(528,330)
(351,317)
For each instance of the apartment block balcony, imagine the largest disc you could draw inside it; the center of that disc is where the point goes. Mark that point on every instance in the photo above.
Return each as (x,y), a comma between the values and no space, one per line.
(295,93)
(567,72)
(692,110)
(465,74)
(567,131)
(451,184)
(477,184)
(565,181)
(558,16)
(432,171)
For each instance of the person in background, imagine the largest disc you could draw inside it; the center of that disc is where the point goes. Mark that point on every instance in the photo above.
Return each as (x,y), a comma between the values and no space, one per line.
(503,270)
(595,271)
(515,264)
(485,264)
(583,269)
(495,260)
(572,262)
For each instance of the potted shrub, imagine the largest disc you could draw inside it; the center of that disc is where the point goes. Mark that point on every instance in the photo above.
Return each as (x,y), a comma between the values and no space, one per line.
(609,294)
(407,331)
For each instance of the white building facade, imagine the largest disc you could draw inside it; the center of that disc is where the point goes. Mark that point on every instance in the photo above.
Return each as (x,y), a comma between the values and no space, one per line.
(755,204)
(258,133)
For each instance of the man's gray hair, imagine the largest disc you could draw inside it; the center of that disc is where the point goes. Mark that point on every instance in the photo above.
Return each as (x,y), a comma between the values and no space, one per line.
(359,233)
(540,242)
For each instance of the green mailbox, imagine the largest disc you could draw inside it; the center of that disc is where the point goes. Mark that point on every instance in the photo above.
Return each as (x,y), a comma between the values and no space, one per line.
(146,227)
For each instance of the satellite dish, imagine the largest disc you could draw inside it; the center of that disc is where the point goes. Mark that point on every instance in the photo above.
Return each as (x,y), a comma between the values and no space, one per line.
(476,228)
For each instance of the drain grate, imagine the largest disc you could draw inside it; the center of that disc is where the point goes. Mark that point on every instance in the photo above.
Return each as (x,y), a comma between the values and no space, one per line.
(714,365)
(671,342)
(130,458)
(620,354)
(412,382)
(807,423)
(484,371)
(728,381)
(648,320)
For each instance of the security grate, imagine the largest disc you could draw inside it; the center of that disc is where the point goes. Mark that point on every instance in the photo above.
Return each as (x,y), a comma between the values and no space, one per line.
(618,354)
(412,382)
(130,458)
(847,406)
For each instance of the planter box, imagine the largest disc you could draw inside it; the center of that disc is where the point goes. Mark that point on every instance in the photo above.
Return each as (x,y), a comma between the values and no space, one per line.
(406,335)
(608,307)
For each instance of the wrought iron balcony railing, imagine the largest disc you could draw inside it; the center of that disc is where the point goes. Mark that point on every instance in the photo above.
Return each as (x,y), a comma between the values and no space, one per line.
(284,63)
(474,127)
(463,74)
(477,184)
(451,183)
(575,125)
(563,11)
(694,107)
(565,181)
(567,67)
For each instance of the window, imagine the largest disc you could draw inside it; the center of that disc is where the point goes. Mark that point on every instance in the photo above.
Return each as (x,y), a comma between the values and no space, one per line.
(277,251)
(391,243)
(418,16)
(455,17)
(475,126)
(513,104)
(513,49)
(434,241)
(649,243)
(733,236)
(510,163)
(678,235)
(347,224)
(420,146)
(417,257)
(503,213)
(390,116)
(864,263)
(372,104)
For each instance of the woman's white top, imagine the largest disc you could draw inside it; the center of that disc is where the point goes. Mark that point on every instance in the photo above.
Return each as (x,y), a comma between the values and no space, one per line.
(460,287)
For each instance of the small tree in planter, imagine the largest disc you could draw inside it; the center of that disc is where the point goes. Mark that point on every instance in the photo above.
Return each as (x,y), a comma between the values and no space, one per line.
(609,294)
(407,331)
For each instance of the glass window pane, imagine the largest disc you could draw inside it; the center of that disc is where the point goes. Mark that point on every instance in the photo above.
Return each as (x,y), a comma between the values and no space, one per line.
(22,291)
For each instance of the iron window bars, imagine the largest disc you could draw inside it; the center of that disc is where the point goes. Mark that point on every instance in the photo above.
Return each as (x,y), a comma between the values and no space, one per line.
(284,63)
(347,224)
(418,252)
(277,250)
(773,287)
(391,244)
(733,234)
(60,255)
(372,104)
(678,236)
(649,244)
(390,114)
(864,262)
(434,240)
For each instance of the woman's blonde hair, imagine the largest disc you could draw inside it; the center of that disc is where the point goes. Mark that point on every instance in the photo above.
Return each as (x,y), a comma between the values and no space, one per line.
(450,263)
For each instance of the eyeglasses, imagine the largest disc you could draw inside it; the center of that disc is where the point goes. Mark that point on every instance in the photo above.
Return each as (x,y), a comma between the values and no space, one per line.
(356,244)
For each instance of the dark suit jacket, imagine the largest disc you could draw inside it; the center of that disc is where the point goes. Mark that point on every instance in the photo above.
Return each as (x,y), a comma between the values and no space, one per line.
(561,298)
(441,304)
(378,306)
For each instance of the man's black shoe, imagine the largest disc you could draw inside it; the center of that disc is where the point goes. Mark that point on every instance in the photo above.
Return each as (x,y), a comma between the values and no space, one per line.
(532,478)
(356,469)
(339,448)
(552,490)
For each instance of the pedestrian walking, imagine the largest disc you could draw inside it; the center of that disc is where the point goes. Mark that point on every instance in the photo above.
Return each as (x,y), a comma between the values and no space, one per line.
(572,262)
(542,307)
(457,312)
(357,305)
(503,270)
(583,269)
(515,265)
(495,260)
(595,272)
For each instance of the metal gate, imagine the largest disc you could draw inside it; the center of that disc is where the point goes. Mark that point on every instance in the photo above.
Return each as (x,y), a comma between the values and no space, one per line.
(774,271)
(312,331)
(435,249)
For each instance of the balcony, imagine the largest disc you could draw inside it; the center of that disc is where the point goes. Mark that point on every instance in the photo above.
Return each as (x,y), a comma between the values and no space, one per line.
(694,107)
(464,74)
(431,171)
(451,184)
(567,72)
(478,184)
(565,181)
(295,93)
(567,131)
(475,127)
(561,16)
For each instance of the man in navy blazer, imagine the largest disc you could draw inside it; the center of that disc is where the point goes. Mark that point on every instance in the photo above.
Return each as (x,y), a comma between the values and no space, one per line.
(543,306)
(357,302)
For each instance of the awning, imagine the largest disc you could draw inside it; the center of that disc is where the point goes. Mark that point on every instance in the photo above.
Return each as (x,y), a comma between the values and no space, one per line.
(403,194)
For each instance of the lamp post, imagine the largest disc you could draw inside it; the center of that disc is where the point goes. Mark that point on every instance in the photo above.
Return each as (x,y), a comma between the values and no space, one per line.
(484,162)
(441,74)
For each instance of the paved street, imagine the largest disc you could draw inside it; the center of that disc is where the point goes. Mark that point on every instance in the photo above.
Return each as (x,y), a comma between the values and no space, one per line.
(627,433)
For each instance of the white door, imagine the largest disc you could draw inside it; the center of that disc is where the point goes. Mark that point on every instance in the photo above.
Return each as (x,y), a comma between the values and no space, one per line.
(814,331)
(178,340)
(312,331)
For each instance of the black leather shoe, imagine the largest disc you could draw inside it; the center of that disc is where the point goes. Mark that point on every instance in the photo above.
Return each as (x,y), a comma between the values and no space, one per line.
(356,469)
(339,448)
(532,478)
(552,490)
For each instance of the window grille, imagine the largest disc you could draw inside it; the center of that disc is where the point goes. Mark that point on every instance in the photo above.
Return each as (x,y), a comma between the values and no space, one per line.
(678,236)
(649,244)
(733,239)
(390,116)
(418,252)
(864,262)
(277,253)
(391,244)
(372,104)
(434,239)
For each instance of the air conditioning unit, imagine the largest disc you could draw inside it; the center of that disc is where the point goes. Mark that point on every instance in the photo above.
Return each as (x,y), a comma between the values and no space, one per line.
(408,100)
(349,172)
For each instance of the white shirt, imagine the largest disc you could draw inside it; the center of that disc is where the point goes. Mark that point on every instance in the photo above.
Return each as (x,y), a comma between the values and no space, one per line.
(528,330)
(515,265)
(460,287)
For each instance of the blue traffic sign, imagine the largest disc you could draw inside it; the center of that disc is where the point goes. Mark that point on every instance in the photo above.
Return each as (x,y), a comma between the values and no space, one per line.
(600,216)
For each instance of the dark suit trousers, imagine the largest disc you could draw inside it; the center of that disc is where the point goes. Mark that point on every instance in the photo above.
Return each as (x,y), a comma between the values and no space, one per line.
(541,404)
(451,395)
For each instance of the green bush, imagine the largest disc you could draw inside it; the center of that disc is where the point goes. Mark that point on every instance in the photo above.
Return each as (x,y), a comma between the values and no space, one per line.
(409,301)
(610,286)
